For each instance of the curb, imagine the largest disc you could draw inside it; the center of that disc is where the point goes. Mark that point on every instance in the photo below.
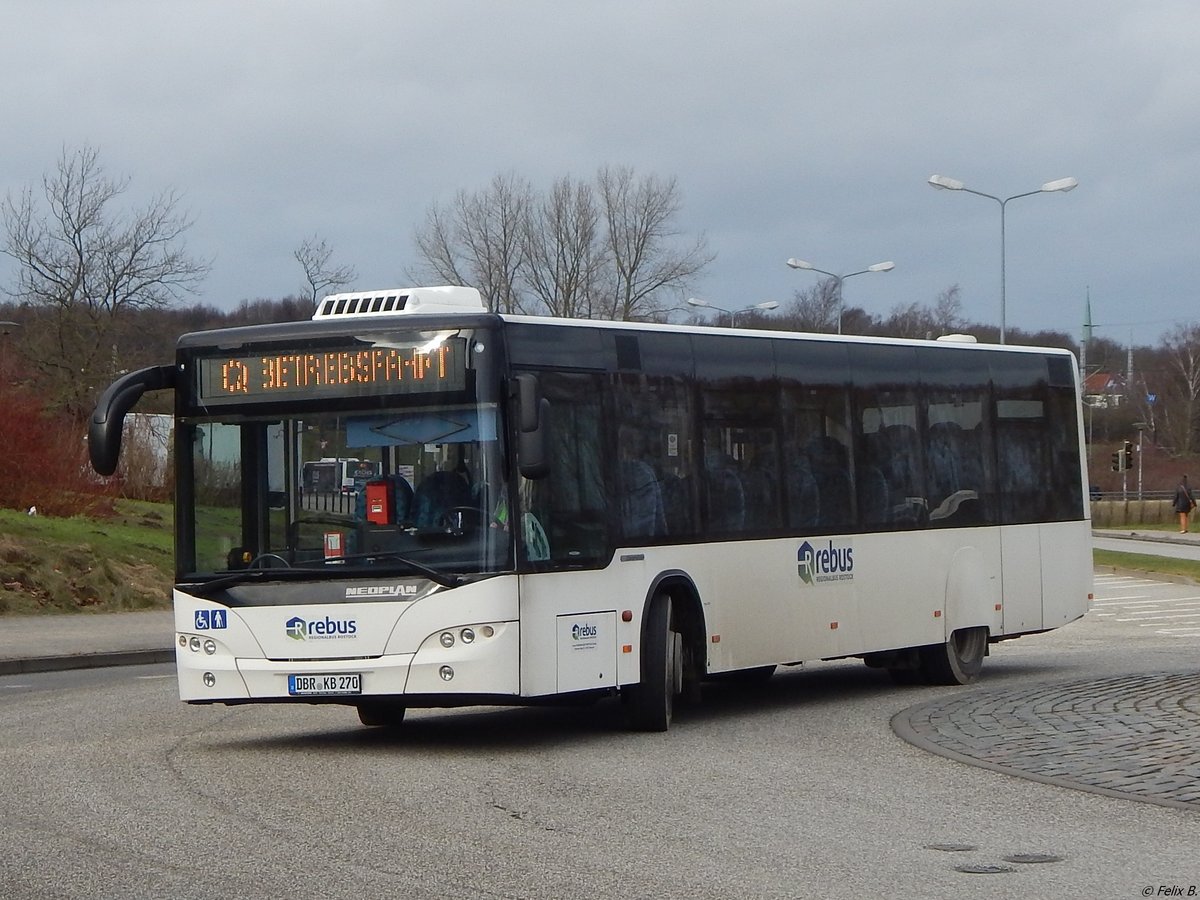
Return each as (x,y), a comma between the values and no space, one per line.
(1165,537)
(903,728)
(34,664)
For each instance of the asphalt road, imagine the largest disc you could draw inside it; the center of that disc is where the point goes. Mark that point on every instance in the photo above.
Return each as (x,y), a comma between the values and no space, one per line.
(112,788)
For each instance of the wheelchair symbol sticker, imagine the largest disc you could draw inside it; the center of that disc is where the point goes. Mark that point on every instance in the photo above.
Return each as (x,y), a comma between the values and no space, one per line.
(211,619)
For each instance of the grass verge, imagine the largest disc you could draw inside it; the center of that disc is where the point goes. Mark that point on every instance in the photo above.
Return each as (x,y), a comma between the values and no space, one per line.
(1144,562)
(56,565)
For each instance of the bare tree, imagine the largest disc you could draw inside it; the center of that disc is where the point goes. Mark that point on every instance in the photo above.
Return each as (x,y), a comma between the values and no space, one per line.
(83,264)
(320,275)
(1183,406)
(910,320)
(947,310)
(639,218)
(607,251)
(477,239)
(563,253)
(815,309)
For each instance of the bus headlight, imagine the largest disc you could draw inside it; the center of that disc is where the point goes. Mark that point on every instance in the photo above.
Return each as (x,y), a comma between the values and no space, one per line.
(467,635)
(194,644)
(209,679)
(210,646)
(446,672)
(447,639)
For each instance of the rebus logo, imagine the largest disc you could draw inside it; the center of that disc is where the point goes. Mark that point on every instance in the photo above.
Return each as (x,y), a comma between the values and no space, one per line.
(583,632)
(299,629)
(816,565)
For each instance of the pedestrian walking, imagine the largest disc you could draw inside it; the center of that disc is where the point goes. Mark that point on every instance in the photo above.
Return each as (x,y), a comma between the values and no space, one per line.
(1183,503)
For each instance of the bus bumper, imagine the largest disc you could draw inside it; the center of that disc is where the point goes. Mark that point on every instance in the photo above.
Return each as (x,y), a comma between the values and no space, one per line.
(465,660)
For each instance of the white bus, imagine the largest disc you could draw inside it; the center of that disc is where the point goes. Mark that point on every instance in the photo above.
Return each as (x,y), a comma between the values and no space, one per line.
(572,508)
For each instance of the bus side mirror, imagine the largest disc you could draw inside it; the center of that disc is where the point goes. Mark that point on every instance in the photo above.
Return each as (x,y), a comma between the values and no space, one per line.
(108,418)
(533,415)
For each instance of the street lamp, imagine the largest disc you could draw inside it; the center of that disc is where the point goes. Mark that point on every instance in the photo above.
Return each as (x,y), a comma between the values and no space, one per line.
(733,313)
(838,279)
(1060,186)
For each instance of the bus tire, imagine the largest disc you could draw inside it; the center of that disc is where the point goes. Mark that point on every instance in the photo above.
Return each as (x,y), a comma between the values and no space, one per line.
(651,702)
(959,660)
(381,714)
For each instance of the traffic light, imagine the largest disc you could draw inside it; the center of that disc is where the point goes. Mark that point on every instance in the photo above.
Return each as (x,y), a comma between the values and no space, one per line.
(1117,461)
(1127,462)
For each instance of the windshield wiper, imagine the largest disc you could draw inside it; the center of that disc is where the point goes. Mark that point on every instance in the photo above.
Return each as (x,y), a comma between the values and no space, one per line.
(393,556)
(286,573)
(206,588)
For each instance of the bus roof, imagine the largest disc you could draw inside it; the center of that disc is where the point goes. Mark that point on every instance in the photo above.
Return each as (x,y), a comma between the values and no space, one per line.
(436,307)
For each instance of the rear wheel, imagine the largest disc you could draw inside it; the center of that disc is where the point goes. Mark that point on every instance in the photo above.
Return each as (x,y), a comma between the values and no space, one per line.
(959,660)
(381,714)
(651,702)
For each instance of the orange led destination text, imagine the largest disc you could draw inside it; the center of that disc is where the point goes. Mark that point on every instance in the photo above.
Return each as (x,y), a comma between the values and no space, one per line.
(286,372)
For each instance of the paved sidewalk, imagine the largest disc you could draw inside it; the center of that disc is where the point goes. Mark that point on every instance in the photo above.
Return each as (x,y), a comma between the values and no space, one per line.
(1136,737)
(80,640)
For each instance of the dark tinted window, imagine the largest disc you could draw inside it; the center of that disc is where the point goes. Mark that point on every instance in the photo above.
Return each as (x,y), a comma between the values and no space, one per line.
(814,405)
(570,508)
(656,482)
(558,347)
(957,405)
(887,436)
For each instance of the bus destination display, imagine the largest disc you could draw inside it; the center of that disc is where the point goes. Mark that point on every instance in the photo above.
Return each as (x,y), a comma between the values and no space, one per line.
(357,372)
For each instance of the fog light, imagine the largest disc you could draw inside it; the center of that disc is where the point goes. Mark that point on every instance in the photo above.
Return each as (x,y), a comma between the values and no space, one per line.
(209,679)
(467,635)
(210,646)
(446,672)
(447,639)
(194,644)
(487,631)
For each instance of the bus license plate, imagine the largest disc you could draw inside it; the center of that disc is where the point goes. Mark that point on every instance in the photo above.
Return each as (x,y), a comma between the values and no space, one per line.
(324,685)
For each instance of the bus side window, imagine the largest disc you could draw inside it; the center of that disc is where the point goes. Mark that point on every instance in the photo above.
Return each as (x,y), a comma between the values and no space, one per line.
(571,503)
(655,480)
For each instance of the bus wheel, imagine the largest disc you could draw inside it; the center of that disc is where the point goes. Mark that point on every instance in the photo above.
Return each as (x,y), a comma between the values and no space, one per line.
(652,701)
(959,660)
(381,714)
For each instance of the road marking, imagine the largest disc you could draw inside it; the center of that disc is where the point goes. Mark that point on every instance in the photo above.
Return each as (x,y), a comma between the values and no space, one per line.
(1132,602)
(1165,608)
(1148,604)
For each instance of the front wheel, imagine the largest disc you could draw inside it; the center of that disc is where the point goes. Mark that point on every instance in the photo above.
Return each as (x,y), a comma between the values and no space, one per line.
(652,700)
(959,660)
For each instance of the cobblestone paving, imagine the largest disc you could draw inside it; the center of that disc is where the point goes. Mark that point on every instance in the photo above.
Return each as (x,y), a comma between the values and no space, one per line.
(1136,736)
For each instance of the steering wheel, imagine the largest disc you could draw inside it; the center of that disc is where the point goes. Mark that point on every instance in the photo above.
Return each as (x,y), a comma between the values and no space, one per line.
(269,556)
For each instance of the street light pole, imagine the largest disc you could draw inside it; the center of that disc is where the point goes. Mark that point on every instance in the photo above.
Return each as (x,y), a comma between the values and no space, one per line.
(838,279)
(1061,186)
(733,313)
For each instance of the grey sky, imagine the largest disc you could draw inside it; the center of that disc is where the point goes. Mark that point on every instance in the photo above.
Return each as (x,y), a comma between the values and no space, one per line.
(801,129)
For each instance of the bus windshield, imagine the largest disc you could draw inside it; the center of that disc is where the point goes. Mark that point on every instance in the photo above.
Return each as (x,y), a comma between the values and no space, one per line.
(385,489)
